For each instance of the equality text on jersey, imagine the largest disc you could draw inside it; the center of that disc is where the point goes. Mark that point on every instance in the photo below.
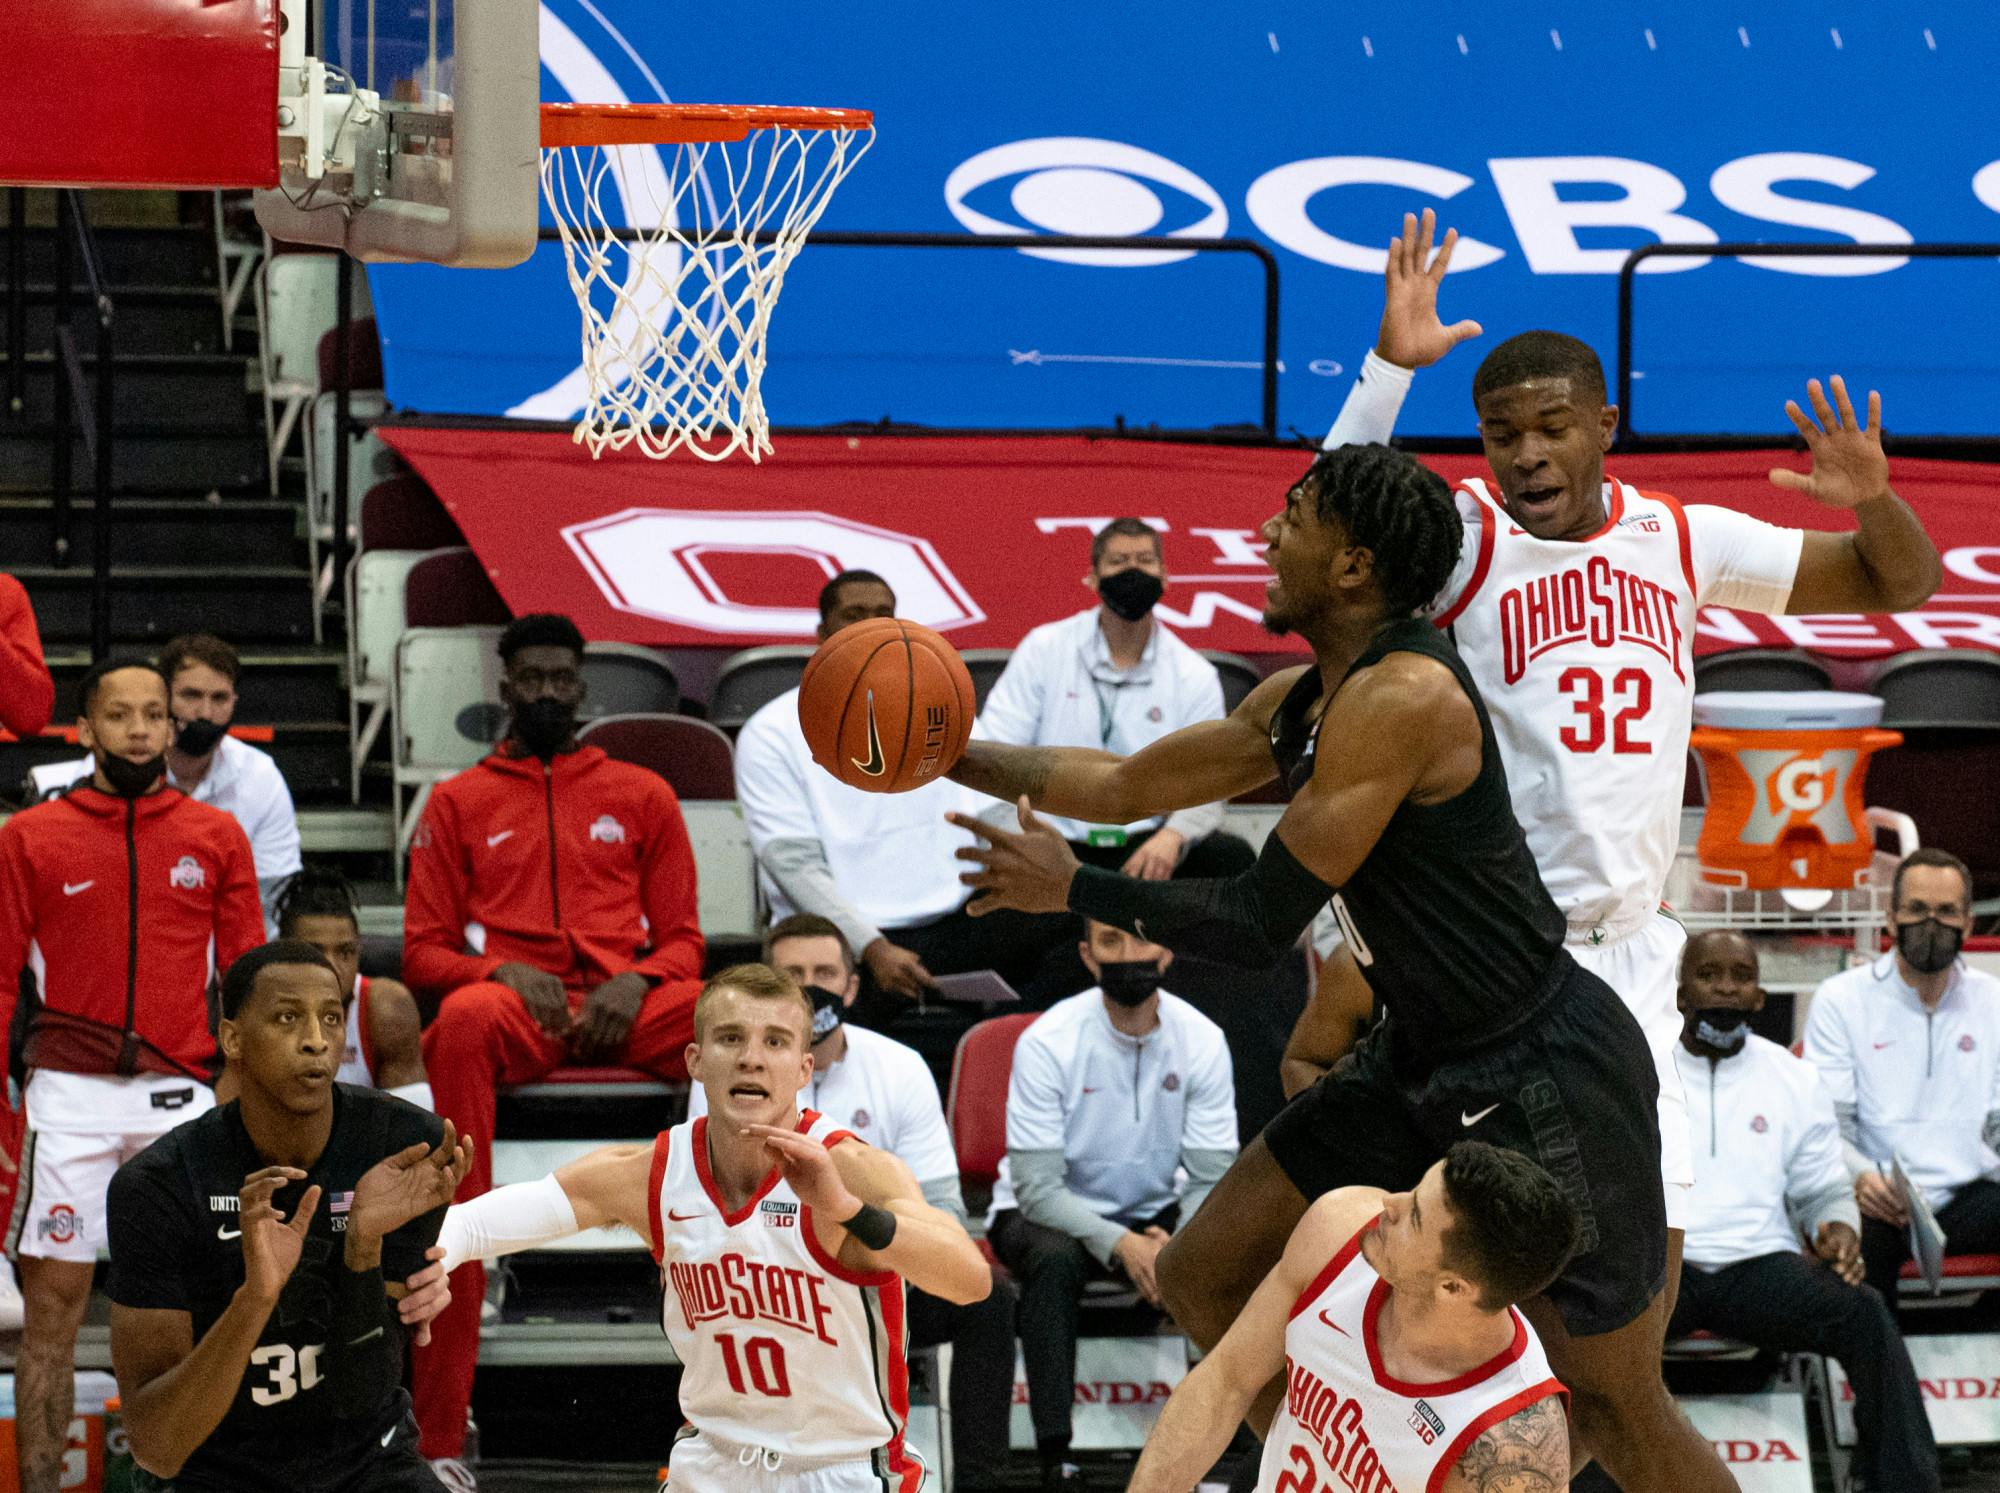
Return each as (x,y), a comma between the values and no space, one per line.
(1334,1423)
(1595,602)
(752,1291)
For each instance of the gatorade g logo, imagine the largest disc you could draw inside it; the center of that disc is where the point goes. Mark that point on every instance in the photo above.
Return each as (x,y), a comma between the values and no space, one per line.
(1802,785)
(1798,791)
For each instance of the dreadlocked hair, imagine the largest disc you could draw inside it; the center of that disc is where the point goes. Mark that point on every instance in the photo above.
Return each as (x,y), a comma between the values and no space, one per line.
(316,892)
(1397,509)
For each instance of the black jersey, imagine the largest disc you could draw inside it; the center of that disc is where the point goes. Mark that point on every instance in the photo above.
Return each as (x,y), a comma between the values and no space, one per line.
(176,1245)
(1447,917)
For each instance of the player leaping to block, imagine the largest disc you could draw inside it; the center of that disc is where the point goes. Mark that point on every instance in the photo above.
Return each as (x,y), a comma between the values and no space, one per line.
(783,1244)
(1493,1032)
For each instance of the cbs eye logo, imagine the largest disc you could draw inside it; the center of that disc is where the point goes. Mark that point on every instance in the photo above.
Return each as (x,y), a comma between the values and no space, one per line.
(1074,184)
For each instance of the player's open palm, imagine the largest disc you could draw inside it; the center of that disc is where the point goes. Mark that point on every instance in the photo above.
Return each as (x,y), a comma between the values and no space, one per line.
(408,1185)
(271,1243)
(1848,464)
(809,1170)
(1412,335)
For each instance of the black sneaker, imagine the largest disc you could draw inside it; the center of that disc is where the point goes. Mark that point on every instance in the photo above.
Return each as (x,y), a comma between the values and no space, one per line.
(1064,1477)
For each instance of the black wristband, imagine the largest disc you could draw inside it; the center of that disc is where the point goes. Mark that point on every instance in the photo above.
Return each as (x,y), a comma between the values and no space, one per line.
(874,1227)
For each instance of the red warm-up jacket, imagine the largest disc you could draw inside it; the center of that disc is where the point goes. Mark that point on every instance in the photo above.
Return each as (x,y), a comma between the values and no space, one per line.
(580,867)
(27,694)
(124,908)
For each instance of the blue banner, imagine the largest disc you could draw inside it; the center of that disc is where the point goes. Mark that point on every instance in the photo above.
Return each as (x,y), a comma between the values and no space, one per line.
(1556,138)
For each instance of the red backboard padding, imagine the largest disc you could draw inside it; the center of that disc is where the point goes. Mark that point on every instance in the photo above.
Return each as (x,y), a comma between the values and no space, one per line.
(140,93)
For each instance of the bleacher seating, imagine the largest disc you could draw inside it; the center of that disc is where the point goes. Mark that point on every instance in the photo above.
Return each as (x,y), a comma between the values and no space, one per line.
(1760,669)
(626,679)
(749,680)
(444,712)
(1940,689)
(369,459)
(375,590)
(1239,676)
(985,665)
(297,301)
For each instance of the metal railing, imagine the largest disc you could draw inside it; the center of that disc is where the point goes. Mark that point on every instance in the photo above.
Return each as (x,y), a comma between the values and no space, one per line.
(1628,272)
(81,409)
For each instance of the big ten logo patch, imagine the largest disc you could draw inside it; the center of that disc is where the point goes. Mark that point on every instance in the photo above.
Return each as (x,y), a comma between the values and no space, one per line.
(740,572)
(187,875)
(780,1215)
(1426,1422)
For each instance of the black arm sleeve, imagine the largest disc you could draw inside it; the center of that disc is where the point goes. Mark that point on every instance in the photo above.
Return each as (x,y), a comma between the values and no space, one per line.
(1248,920)
(365,1347)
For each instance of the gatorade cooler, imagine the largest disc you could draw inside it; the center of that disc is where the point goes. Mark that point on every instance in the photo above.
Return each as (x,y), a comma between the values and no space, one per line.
(83,1464)
(1784,771)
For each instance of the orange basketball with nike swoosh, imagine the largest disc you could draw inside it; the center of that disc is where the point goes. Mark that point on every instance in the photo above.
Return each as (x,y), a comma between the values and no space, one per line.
(886,705)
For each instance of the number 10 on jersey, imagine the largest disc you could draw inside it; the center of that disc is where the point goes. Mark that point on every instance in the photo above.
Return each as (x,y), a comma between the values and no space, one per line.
(1606,713)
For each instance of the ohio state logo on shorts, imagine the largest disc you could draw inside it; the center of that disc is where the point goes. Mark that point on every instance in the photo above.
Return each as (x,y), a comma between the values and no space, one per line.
(187,874)
(61,1226)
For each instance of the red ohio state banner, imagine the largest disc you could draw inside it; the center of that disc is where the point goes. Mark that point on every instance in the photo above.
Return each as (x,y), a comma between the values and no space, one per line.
(985,537)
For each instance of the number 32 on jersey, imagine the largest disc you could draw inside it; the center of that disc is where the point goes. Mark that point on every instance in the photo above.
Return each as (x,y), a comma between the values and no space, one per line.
(1609,709)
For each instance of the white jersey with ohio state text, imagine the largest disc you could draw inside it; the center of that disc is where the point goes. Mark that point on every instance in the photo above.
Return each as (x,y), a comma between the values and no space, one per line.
(1347,1425)
(1584,653)
(782,1347)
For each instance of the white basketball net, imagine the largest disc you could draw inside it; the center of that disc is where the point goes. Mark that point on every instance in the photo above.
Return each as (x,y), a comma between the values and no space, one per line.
(675,315)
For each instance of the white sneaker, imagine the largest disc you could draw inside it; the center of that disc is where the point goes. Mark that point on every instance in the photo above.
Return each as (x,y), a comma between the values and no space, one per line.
(455,1475)
(12,1310)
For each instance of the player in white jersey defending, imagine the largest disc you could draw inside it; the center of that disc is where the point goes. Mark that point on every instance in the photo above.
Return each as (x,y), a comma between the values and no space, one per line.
(1574,605)
(1405,1364)
(783,1242)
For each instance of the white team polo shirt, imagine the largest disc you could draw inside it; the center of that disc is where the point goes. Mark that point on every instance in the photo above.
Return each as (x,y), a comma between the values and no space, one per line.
(1121,1109)
(245,783)
(890,854)
(883,1092)
(1060,688)
(1764,1132)
(1921,1081)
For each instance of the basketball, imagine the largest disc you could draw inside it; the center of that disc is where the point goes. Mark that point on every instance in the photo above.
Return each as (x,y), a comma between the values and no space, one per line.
(886,705)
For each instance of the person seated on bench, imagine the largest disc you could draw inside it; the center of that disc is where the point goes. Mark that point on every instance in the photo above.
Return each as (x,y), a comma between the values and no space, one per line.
(876,1087)
(1113,1092)
(552,904)
(1768,1158)
(1909,1047)
(385,1048)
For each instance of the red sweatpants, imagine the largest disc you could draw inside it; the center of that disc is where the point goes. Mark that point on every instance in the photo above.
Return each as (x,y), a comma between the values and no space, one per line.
(482,1041)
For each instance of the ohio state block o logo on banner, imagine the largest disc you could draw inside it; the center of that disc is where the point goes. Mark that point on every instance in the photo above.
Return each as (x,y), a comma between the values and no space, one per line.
(660,563)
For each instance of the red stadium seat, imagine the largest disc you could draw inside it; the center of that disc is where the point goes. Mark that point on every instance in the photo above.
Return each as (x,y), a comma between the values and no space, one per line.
(976,1109)
(402,513)
(693,756)
(1968,1272)
(452,590)
(364,356)
(605,1083)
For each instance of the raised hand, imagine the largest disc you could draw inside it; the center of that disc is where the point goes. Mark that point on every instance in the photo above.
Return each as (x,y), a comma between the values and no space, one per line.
(808,1169)
(1412,336)
(1029,872)
(407,1185)
(1848,464)
(271,1246)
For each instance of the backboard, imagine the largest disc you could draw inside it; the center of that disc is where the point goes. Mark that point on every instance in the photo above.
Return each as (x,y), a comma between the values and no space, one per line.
(408,129)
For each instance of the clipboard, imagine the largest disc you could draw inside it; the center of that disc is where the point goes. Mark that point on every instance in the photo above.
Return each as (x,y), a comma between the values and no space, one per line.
(1926,1238)
(978,987)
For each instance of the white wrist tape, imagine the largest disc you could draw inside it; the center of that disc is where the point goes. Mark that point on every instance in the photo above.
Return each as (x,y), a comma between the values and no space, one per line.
(506,1221)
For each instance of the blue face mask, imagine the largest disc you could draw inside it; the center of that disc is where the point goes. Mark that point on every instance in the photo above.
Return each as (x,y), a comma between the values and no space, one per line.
(1723,1028)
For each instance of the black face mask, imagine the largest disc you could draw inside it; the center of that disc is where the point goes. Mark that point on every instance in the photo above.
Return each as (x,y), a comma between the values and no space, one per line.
(1131,593)
(1723,1028)
(827,1009)
(1929,946)
(543,726)
(1128,982)
(129,779)
(197,738)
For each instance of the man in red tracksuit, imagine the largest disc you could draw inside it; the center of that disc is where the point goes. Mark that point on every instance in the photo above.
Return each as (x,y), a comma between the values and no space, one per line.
(552,900)
(125,897)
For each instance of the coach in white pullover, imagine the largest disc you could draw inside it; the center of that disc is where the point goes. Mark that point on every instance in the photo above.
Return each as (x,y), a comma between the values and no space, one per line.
(1113,1092)
(1909,1047)
(1767,1164)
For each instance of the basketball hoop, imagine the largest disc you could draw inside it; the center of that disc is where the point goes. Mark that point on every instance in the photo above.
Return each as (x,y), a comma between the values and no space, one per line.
(677,255)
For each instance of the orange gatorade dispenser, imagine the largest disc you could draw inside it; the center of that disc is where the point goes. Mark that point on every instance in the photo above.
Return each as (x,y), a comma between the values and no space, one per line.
(1785,770)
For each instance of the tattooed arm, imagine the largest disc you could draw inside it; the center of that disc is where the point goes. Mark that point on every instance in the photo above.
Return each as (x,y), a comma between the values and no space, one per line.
(1182,770)
(1526,1453)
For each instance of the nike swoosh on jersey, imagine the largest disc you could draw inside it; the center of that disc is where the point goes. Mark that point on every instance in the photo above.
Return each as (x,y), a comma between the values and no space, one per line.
(1468,1121)
(71,889)
(874,766)
(681,1217)
(229,1233)
(1333,1324)
(492,840)
(1880,1045)
(390,1434)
